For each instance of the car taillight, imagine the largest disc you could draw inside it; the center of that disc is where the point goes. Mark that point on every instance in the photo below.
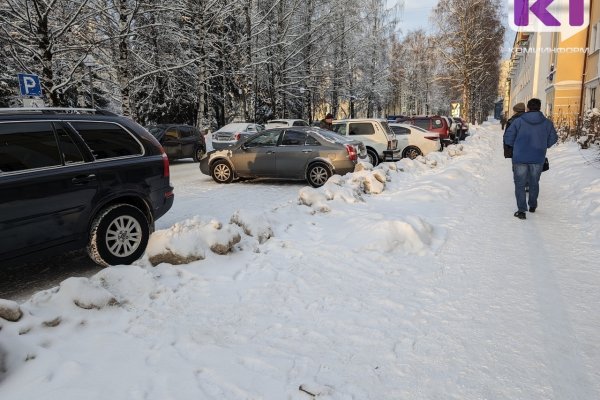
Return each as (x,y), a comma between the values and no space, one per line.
(351,152)
(165,160)
(432,137)
(390,145)
(238,135)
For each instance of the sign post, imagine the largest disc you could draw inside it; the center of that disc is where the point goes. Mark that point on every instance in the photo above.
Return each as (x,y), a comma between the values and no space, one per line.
(455,110)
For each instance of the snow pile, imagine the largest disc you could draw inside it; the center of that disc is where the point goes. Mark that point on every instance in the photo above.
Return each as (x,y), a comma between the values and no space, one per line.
(190,241)
(348,188)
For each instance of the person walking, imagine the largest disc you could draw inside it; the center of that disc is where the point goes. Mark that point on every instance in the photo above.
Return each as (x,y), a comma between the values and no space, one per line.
(519,110)
(530,136)
(327,122)
(503,121)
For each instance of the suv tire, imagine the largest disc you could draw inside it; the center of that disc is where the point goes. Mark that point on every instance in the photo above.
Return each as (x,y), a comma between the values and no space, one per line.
(317,174)
(373,157)
(119,235)
(221,172)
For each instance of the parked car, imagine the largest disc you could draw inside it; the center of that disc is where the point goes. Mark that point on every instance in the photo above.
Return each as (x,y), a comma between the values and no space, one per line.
(73,180)
(230,134)
(463,128)
(285,123)
(180,141)
(415,141)
(453,127)
(299,153)
(376,135)
(394,118)
(431,123)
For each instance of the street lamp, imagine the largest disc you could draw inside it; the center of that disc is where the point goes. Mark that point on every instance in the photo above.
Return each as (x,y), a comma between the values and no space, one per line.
(89,62)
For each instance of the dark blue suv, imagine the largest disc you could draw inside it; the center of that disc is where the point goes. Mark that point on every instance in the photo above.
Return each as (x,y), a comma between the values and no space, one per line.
(72,178)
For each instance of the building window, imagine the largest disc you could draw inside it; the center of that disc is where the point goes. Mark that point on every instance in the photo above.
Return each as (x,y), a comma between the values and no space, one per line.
(593,98)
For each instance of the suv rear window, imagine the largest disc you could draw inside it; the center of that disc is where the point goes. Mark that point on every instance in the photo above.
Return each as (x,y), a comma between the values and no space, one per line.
(362,129)
(107,140)
(27,146)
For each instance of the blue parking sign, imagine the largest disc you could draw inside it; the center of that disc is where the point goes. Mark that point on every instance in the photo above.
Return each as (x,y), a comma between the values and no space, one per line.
(30,85)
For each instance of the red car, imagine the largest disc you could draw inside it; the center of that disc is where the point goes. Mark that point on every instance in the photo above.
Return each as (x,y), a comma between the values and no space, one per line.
(433,124)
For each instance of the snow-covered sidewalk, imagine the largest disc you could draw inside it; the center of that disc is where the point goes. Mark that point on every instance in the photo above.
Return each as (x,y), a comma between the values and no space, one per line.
(429,290)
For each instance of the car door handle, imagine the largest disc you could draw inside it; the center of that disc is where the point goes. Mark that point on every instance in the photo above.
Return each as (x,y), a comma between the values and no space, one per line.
(83,179)
(307,151)
(270,152)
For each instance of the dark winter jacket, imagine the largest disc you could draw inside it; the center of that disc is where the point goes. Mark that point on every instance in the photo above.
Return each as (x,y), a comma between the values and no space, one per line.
(508,150)
(530,136)
(513,119)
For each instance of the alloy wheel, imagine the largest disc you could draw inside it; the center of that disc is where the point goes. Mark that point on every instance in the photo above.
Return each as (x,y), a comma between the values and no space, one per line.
(123,236)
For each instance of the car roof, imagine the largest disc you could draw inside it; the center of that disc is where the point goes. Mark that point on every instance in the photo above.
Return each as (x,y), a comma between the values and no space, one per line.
(237,125)
(27,116)
(283,120)
(361,120)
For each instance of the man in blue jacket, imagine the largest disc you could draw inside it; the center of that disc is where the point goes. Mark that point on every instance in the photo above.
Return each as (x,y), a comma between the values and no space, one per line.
(529,136)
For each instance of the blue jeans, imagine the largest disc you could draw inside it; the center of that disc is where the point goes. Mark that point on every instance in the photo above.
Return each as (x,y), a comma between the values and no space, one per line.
(527,174)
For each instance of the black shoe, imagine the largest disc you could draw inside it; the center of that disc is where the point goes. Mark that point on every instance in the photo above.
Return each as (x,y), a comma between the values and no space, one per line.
(532,209)
(521,215)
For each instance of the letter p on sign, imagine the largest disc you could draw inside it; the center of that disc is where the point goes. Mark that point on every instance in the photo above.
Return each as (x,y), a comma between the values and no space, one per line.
(30,85)
(565,16)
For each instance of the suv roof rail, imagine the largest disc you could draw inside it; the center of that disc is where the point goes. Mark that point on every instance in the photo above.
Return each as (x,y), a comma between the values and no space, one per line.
(55,110)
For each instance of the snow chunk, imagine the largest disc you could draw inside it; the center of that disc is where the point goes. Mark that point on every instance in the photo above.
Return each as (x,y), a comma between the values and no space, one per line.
(455,150)
(190,240)
(254,224)
(372,182)
(10,310)
(85,294)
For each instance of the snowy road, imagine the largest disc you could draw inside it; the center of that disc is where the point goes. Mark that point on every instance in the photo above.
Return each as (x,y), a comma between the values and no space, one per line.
(429,290)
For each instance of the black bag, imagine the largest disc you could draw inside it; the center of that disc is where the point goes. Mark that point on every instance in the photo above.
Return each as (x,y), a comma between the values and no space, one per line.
(508,151)
(546,165)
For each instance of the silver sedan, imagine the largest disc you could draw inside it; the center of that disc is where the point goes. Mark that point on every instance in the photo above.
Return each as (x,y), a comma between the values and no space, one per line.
(298,153)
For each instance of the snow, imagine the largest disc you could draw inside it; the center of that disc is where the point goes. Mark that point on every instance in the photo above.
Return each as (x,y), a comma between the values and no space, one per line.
(426,289)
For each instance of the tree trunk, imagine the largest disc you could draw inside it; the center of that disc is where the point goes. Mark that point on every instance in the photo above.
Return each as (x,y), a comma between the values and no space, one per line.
(123,68)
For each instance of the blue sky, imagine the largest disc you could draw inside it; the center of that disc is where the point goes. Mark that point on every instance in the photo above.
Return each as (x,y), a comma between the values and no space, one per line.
(417,13)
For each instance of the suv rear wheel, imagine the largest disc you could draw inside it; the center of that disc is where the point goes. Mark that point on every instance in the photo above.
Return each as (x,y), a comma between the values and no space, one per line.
(119,235)
(373,157)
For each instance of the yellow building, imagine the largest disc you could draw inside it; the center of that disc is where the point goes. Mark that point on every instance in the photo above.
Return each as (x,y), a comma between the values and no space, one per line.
(592,68)
(564,80)
(503,85)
